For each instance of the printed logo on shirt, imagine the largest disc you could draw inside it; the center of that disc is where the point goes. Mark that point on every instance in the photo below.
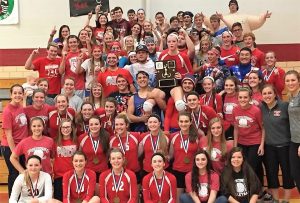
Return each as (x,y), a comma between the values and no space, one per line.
(244,121)
(66,151)
(229,107)
(52,70)
(277,113)
(241,188)
(73,63)
(121,188)
(203,190)
(21,119)
(215,154)
(39,151)
(111,80)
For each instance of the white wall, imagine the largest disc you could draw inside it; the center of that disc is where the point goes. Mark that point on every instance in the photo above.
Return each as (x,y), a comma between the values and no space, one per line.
(37,17)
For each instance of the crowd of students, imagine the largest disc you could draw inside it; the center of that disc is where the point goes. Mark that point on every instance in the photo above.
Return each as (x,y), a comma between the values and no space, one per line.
(100,128)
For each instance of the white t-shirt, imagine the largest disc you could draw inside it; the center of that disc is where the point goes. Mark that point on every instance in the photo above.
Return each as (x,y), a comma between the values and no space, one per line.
(43,189)
(89,76)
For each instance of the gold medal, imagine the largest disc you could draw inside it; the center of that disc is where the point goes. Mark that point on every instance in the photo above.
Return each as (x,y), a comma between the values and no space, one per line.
(78,200)
(95,160)
(116,200)
(159,201)
(186,160)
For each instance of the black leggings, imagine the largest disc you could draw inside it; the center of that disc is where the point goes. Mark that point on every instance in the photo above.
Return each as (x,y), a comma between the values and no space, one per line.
(295,163)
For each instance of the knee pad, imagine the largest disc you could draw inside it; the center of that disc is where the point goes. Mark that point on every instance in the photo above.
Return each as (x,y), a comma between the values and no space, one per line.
(147,106)
(180,105)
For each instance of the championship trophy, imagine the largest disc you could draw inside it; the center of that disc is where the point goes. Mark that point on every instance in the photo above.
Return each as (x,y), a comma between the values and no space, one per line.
(166,73)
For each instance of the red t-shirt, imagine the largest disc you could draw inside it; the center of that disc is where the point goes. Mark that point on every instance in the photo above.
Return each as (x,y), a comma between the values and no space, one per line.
(258,58)
(42,148)
(107,123)
(183,63)
(63,157)
(49,69)
(108,79)
(230,55)
(171,117)
(70,70)
(276,79)
(216,103)
(202,121)
(87,191)
(14,118)
(183,161)
(54,120)
(86,146)
(205,186)
(218,162)
(127,191)
(130,147)
(145,141)
(249,124)
(257,98)
(230,102)
(31,112)
(168,191)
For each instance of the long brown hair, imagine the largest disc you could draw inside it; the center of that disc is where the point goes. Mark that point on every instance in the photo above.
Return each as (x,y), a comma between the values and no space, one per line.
(222,138)
(26,174)
(59,138)
(193,133)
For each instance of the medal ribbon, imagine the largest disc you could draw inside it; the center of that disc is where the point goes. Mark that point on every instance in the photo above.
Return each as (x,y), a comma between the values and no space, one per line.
(159,188)
(121,144)
(86,128)
(185,145)
(207,102)
(154,145)
(58,119)
(267,76)
(32,189)
(117,184)
(197,123)
(79,186)
(94,143)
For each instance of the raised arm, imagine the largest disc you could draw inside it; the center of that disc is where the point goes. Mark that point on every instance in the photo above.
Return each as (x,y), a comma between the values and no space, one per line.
(256,22)
(28,63)
(52,33)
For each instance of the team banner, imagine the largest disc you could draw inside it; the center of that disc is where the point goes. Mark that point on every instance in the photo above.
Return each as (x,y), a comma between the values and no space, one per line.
(9,12)
(83,7)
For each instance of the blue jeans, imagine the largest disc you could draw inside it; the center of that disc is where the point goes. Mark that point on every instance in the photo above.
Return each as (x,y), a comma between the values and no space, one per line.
(58,189)
(221,199)
(12,172)
(185,198)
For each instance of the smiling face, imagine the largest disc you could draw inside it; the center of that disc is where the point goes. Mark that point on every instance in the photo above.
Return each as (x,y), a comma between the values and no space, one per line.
(17,95)
(43,85)
(87,111)
(73,44)
(253,80)
(120,126)
(193,102)
(52,52)
(129,41)
(157,163)
(112,59)
(65,32)
(79,162)
(116,160)
(147,27)
(248,41)
(36,127)
(229,87)
(270,59)
(69,86)
(153,124)
(97,53)
(122,84)
(201,161)
(226,39)
(187,86)
(136,29)
(292,82)
(245,57)
(184,123)
(212,56)
(94,126)
(237,161)
(244,98)
(268,95)
(142,80)
(109,108)
(38,99)
(208,85)
(66,128)
(61,103)
(97,90)
(33,166)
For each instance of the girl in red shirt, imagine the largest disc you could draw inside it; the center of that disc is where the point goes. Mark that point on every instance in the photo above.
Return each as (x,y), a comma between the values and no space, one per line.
(64,147)
(95,145)
(108,114)
(82,118)
(230,101)
(15,129)
(255,82)
(118,185)
(184,144)
(216,145)
(128,142)
(160,185)
(211,98)
(249,133)
(151,142)
(79,183)
(96,97)
(202,183)
(60,111)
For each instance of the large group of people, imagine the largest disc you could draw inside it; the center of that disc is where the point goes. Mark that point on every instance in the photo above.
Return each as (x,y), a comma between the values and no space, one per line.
(99,126)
